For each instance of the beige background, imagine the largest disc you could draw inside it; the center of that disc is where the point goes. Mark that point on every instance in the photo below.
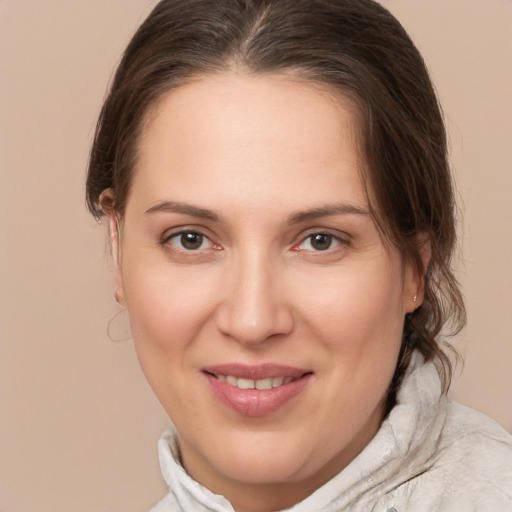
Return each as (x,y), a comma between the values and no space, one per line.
(78,423)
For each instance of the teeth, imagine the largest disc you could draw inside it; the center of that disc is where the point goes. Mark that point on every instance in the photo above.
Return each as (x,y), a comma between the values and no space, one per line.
(245,384)
(263,384)
(232,380)
(277,381)
(255,384)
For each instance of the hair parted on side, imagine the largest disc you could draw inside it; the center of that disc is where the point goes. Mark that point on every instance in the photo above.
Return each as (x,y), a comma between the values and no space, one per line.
(355,47)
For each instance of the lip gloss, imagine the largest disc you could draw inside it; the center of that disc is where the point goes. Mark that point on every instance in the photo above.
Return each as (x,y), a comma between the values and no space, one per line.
(256,402)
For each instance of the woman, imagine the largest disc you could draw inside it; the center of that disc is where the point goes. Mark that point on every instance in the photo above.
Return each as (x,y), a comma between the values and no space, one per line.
(275,178)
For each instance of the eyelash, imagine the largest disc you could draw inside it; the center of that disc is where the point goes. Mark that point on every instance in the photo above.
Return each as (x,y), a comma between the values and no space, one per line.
(332,238)
(167,240)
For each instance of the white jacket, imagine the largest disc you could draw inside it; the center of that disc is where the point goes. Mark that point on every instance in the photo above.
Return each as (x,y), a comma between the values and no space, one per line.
(430,454)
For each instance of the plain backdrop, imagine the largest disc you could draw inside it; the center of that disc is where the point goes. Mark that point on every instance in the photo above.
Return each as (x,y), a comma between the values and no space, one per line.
(78,423)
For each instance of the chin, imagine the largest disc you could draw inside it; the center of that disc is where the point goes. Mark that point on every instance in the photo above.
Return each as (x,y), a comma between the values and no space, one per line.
(266,459)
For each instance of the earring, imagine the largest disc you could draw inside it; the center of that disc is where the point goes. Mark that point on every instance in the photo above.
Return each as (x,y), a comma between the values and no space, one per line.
(118,327)
(415,298)
(117,298)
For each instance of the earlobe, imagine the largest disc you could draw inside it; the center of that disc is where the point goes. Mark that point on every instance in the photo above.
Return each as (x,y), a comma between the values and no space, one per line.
(119,299)
(107,202)
(413,291)
(416,274)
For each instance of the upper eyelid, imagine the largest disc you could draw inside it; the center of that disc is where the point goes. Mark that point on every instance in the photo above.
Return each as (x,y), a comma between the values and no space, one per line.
(342,238)
(184,232)
(179,230)
(335,237)
(336,233)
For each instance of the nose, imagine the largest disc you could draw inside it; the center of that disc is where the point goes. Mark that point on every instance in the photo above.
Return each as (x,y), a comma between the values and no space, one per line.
(254,307)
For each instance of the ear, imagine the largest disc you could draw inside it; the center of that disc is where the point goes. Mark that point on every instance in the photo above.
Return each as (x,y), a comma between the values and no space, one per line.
(414,279)
(107,202)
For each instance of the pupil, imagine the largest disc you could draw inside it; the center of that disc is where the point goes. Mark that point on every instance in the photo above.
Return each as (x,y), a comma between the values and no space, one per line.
(191,241)
(321,242)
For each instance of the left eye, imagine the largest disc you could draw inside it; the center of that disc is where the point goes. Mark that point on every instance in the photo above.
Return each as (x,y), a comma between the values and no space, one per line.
(319,242)
(189,241)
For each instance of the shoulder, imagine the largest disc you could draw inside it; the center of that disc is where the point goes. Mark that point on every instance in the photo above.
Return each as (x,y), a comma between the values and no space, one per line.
(472,464)
(167,504)
(476,437)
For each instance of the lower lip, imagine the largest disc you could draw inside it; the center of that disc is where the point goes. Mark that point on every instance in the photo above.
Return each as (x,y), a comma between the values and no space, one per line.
(255,402)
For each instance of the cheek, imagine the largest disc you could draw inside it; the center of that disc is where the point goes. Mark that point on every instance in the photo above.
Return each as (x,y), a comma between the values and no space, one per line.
(166,310)
(166,307)
(357,308)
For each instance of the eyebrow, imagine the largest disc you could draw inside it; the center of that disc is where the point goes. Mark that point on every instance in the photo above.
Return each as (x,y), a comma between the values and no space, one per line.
(296,218)
(325,211)
(187,209)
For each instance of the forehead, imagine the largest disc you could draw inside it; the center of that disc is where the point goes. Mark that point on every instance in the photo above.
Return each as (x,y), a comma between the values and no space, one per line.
(264,134)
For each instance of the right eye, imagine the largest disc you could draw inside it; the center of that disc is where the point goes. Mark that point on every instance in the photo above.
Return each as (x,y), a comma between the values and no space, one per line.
(189,241)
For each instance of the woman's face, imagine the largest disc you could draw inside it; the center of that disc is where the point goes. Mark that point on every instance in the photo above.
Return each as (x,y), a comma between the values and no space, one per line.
(249,260)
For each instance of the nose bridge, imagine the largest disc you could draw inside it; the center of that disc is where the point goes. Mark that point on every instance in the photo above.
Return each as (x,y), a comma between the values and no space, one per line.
(254,306)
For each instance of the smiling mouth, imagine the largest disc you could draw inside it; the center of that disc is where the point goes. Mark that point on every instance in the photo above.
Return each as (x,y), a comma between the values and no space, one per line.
(260,384)
(256,390)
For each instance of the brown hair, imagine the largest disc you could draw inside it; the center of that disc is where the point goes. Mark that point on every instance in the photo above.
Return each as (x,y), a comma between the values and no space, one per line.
(354,46)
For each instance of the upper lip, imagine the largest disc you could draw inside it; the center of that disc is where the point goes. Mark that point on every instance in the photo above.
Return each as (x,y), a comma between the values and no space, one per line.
(256,372)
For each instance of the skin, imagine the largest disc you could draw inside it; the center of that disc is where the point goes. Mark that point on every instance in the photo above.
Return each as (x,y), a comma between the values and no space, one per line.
(256,153)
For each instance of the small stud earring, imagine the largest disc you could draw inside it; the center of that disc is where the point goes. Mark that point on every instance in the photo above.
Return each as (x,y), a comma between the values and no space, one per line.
(415,298)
